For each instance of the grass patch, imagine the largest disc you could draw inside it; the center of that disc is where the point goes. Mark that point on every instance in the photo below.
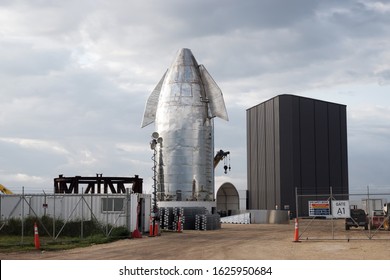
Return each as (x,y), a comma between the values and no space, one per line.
(17,244)
(69,234)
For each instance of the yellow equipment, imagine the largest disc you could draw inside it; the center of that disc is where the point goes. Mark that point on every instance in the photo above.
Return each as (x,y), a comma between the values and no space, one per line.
(4,190)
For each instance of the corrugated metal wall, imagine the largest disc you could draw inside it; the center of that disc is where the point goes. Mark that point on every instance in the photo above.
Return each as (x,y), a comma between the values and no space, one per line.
(77,207)
(294,142)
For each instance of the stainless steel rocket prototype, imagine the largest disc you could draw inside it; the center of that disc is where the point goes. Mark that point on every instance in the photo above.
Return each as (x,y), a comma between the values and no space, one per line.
(183,105)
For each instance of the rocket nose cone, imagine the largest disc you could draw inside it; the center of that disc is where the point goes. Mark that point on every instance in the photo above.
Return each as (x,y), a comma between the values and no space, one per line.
(184,51)
(185,57)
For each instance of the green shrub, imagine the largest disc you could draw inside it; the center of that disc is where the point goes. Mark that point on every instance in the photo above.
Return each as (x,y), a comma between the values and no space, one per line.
(73,228)
(12,227)
(69,229)
(120,232)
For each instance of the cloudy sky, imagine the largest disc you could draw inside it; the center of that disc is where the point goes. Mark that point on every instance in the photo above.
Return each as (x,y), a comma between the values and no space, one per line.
(75,76)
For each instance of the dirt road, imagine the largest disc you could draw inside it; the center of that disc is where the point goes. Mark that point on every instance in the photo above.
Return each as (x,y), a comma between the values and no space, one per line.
(319,240)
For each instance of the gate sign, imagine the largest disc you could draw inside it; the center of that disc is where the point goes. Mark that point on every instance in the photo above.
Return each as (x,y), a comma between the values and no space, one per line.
(319,208)
(340,209)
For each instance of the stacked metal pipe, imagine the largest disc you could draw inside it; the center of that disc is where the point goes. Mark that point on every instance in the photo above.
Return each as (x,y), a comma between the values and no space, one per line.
(170,217)
(207,222)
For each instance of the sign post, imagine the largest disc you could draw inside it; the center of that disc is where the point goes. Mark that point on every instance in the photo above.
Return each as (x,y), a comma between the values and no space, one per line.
(340,209)
(319,208)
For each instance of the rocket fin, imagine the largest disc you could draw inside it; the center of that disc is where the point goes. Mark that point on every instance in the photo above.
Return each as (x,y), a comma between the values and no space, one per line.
(213,94)
(152,103)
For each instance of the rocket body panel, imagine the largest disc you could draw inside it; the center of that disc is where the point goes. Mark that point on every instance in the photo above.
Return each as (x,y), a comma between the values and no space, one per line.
(183,118)
(152,103)
(213,94)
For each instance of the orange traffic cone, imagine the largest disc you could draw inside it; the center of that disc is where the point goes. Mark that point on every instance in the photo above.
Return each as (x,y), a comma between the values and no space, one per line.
(151,228)
(136,233)
(36,237)
(156,228)
(296,233)
(179,224)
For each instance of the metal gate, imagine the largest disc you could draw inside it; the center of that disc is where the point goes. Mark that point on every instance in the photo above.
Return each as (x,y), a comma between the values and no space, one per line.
(323,216)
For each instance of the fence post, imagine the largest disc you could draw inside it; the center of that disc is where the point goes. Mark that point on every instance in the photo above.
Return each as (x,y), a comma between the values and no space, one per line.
(82,213)
(54,214)
(128,201)
(91,211)
(107,213)
(331,198)
(296,202)
(368,210)
(22,215)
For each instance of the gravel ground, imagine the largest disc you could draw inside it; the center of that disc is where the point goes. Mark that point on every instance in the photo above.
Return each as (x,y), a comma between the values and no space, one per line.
(319,240)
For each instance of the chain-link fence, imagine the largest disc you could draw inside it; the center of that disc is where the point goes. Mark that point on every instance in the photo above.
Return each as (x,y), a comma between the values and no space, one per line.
(77,215)
(359,215)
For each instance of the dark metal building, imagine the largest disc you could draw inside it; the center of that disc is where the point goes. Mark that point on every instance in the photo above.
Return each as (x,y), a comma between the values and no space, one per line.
(295,142)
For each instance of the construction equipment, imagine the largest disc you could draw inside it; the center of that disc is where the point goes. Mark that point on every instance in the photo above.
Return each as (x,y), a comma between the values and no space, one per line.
(377,219)
(4,190)
(386,211)
(220,156)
